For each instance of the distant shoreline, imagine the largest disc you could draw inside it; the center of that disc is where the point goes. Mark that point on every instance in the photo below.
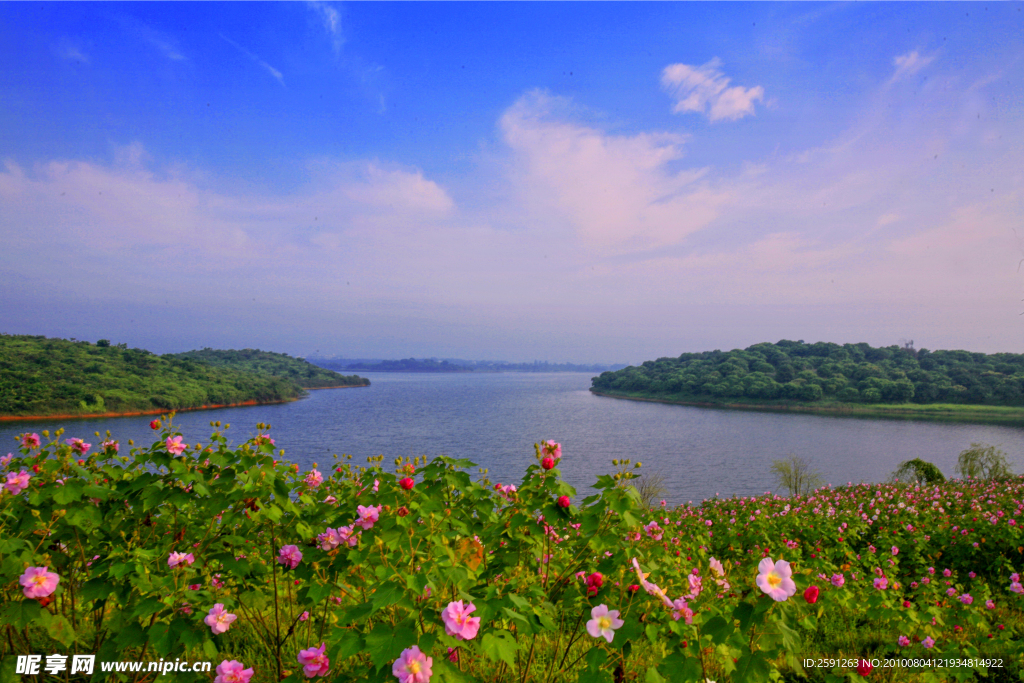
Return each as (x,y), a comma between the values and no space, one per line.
(161,411)
(959,413)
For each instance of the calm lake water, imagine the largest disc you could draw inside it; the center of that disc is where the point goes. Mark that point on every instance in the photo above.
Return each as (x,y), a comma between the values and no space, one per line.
(494,419)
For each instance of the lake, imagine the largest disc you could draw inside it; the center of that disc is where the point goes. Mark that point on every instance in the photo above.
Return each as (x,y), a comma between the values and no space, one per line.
(494,420)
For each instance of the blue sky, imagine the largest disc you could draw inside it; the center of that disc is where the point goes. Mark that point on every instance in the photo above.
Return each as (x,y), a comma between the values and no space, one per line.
(604,182)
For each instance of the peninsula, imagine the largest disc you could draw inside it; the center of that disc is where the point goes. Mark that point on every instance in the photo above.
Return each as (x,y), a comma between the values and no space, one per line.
(850,379)
(42,377)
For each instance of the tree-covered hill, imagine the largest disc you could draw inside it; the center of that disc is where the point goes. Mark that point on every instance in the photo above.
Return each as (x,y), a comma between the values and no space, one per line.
(41,376)
(303,373)
(792,371)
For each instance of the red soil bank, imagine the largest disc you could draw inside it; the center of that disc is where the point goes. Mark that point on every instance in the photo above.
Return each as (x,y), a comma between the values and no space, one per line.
(212,406)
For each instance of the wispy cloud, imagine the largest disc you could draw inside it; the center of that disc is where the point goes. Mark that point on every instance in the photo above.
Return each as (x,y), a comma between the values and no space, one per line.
(705,89)
(269,69)
(166,45)
(72,52)
(909,64)
(331,19)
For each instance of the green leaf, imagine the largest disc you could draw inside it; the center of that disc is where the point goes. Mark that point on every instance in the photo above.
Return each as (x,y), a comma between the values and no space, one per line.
(751,668)
(163,638)
(131,635)
(21,613)
(60,630)
(718,628)
(385,643)
(654,677)
(210,649)
(147,607)
(347,643)
(744,613)
(595,658)
(387,595)
(499,646)
(317,592)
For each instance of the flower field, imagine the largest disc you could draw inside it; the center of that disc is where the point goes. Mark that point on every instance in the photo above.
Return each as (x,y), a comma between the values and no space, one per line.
(422,571)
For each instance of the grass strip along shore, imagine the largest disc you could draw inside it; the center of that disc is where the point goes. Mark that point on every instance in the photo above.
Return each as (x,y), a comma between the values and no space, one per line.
(418,571)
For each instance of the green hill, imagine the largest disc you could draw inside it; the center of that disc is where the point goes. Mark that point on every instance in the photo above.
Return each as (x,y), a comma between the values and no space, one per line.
(825,375)
(303,373)
(41,376)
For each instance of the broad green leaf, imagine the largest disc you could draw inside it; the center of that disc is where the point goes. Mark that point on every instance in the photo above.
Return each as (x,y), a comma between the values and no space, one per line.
(386,595)
(60,630)
(654,677)
(385,643)
(751,668)
(499,646)
(718,628)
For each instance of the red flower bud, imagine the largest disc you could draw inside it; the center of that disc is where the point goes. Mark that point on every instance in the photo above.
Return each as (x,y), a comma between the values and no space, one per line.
(595,580)
(35,468)
(547,463)
(564,501)
(44,601)
(81,462)
(864,668)
(407,483)
(811,594)
(155,424)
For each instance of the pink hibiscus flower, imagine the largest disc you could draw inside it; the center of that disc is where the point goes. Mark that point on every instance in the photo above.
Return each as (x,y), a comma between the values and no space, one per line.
(775,579)
(604,622)
(232,672)
(412,666)
(314,661)
(457,621)
(37,582)
(219,619)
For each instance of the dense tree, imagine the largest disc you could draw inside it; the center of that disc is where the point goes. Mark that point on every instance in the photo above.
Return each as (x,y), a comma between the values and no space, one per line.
(40,376)
(848,373)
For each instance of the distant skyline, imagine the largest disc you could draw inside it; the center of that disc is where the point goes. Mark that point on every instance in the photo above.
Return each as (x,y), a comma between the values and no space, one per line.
(569,182)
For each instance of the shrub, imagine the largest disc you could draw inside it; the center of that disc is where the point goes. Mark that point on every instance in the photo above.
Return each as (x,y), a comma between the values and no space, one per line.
(917,471)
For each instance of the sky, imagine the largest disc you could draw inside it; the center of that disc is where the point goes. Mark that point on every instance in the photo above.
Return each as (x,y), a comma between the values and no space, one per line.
(569,182)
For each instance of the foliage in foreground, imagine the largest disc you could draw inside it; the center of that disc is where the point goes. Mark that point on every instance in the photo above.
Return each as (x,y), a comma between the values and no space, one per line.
(807,373)
(358,573)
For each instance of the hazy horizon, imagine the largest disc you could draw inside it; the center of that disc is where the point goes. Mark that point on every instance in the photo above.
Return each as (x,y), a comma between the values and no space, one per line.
(570,182)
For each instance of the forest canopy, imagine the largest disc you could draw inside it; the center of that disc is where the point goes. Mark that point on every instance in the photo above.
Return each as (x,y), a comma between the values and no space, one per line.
(303,373)
(794,371)
(41,376)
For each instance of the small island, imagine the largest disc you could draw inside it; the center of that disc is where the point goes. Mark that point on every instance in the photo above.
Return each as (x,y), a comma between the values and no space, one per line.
(44,378)
(847,379)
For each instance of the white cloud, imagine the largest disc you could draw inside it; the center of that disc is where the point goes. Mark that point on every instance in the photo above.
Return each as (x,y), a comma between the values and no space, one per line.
(269,69)
(613,190)
(705,89)
(909,64)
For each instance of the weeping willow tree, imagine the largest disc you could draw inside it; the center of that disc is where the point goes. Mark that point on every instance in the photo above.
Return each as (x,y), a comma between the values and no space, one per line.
(796,476)
(982,461)
(917,471)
